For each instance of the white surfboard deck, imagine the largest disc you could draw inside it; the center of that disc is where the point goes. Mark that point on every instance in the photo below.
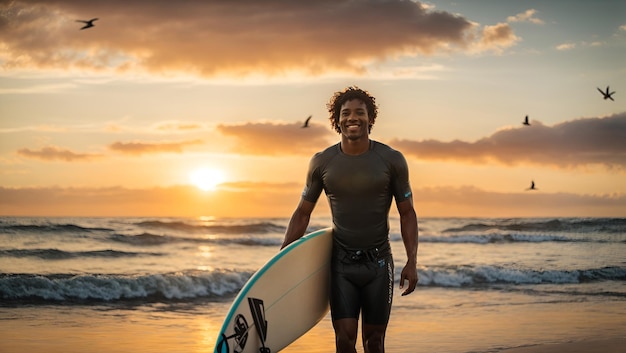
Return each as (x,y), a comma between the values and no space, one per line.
(282,300)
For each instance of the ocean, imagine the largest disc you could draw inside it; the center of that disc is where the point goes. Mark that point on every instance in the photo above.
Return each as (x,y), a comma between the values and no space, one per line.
(165,284)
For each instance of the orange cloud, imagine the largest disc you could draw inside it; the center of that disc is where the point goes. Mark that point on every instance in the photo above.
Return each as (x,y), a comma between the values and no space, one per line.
(177,126)
(586,141)
(138,148)
(277,138)
(53,153)
(279,200)
(497,37)
(471,201)
(173,201)
(216,37)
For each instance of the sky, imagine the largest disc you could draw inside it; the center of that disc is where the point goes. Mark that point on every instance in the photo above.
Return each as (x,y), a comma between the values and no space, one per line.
(194,108)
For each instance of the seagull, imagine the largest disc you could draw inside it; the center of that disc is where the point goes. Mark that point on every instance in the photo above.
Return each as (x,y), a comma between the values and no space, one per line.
(606,94)
(532,186)
(526,121)
(306,122)
(88,24)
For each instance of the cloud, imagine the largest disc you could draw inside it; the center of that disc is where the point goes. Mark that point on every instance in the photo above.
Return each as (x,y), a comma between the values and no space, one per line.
(472,201)
(270,138)
(238,38)
(497,37)
(585,141)
(139,148)
(566,46)
(527,16)
(279,200)
(583,44)
(500,36)
(176,126)
(53,153)
(37,89)
(36,128)
(171,201)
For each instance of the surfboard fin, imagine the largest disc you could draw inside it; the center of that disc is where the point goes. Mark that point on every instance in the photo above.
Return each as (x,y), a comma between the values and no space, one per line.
(258,315)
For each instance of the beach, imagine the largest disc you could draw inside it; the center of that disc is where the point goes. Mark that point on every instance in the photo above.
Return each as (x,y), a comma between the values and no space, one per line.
(615,345)
(154,285)
(178,328)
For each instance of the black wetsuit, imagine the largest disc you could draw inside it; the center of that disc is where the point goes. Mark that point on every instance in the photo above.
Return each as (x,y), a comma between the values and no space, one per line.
(360,190)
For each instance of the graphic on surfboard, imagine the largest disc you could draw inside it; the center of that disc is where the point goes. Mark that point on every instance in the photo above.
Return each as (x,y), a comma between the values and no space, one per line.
(282,300)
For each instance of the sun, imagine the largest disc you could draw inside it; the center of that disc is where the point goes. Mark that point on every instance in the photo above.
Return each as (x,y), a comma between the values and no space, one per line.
(207,178)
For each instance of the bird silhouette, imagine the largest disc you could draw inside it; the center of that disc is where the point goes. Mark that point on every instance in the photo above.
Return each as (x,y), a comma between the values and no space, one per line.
(526,121)
(88,24)
(606,94)
(306,122)
(532,186)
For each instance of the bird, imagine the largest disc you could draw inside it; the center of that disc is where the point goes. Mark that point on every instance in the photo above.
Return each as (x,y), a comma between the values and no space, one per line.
(306,122)
(526,121)
(532,186)
(88,24)
(606,94)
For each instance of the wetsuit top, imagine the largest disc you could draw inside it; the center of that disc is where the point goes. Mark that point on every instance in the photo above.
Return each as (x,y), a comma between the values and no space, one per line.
(359,191)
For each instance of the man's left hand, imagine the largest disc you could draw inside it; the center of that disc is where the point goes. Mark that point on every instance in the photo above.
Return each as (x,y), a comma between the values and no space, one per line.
(409,273)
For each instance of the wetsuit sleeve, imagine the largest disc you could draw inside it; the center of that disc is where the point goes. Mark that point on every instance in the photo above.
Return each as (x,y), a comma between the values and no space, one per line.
(314,183)
(400,178)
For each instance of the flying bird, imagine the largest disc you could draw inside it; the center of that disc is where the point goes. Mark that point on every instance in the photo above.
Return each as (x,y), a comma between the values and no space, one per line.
(526,121)
(532,186)
(606,94)
(306,122)
(88,24)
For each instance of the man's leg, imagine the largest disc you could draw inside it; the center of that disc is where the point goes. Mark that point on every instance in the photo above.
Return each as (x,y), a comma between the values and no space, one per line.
(345,335)
(377,297)
(374,338)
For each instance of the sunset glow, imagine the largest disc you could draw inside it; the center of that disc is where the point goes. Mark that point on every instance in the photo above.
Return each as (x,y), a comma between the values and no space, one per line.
(206,178)
(111,121)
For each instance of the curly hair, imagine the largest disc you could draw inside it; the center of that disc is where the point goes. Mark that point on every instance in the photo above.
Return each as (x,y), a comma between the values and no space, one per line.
(348,94)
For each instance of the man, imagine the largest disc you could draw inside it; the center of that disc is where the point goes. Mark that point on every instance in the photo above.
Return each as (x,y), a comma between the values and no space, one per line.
(360,177)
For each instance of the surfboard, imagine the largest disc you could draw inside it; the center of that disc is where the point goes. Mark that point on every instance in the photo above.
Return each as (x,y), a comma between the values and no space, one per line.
(283,300)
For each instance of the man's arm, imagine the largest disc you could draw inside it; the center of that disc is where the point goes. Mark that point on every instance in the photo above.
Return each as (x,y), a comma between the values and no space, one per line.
(299,222)
(408,228)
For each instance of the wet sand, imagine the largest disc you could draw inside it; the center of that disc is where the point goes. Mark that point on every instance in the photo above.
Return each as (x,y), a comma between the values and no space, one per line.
(585,327)
(610,345)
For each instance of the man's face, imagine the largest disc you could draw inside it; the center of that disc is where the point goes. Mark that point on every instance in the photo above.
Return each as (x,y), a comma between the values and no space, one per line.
(353,120)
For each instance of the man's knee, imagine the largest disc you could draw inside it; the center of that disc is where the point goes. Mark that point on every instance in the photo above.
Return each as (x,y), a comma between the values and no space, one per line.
(374,339)
(345,344)
(345,335)
(374,344)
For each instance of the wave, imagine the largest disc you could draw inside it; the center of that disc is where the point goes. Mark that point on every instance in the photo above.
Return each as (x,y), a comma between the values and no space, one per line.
(84,289)
(49,228)
(144,239)
(151,232)
(183,226)
(603,225)
(55,254)
(252,228)
(149,239)
(480,276)
(503,238)
(220,284)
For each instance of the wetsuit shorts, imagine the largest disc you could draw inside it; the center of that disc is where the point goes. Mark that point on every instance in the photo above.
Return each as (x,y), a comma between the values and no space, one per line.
(361,281)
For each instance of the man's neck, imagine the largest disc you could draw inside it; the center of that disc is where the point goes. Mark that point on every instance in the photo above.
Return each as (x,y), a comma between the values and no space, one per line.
(355,147)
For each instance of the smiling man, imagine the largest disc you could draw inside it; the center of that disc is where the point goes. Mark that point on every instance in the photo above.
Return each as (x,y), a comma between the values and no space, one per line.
(360,177)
